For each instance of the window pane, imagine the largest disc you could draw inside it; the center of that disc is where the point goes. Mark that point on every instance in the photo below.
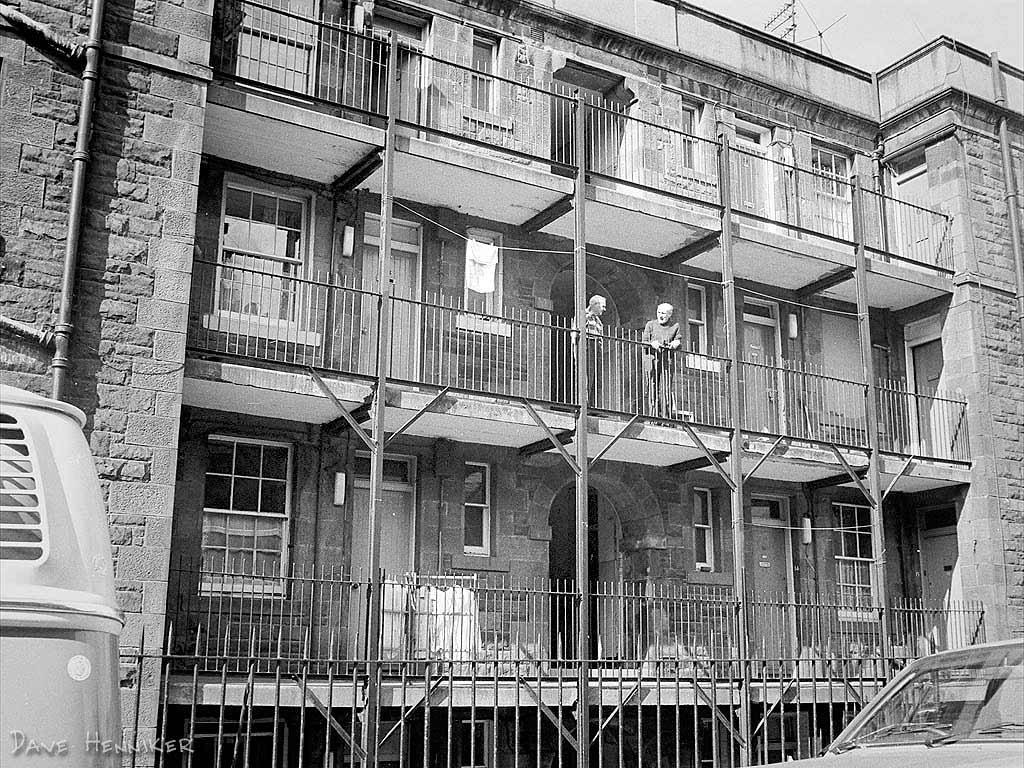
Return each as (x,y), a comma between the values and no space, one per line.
(474,489)
(275,461)
(701,543)
(700,512)
(220,456)
(264,208)
(247,460)
(289,214)
(474,527)
(694,337)
(361,466)
(214,530)
(214,560)
(695,303)
(246,496)
(218,492)
(483,56)
(268,563)
(237,203)
(272,497)
(268,534)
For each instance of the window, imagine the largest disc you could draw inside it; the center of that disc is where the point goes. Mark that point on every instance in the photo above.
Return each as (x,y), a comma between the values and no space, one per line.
(703,530)
(853,555)
(833,211)
(475,743)
(696,319)
(262,247)
(483,272)
(246,507)
(688,120)
(485,51)
(476,509)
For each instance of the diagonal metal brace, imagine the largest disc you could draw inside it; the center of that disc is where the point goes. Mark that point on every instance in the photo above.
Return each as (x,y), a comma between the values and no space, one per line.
(615,711)
(907,465)
(777,703)
(354,425)
(337,727)
(424,702)
(614,440)
(853,475)
(737,737)
(709,455)
(415,417)
(552,437)
(763,459)
(566,734)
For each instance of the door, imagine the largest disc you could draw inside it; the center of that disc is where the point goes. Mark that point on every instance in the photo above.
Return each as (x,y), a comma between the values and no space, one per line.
(405,338)
(771,579)
(761,377)
(910,219)
(940,583)
(927,361)
(397,538)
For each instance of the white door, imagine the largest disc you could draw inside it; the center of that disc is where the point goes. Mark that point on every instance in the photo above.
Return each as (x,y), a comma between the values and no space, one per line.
(406,313)
(930,433)
(396,516)
(940,582)
(763,393)
(750,179)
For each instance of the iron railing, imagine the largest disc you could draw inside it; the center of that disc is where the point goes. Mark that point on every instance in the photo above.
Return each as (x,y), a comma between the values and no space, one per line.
(282,317)
(320,614)
(452,102)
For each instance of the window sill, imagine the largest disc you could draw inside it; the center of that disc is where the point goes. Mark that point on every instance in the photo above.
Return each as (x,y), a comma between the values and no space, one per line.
(478,324)
(485,118)
(260,327)
(268,588)
(464,562)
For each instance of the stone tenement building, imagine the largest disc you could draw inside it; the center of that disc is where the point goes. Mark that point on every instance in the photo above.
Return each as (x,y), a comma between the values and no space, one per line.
(381,491)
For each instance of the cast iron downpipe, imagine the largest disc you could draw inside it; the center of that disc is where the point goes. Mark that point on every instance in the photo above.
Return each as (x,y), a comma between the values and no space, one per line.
(80,161)
(1010,181)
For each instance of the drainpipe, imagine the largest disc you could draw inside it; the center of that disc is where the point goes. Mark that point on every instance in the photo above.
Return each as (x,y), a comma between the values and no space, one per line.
(80,160)
(1010,198)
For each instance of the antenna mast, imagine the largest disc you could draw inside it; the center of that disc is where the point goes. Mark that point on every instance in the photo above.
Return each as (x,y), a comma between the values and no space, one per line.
(783,23)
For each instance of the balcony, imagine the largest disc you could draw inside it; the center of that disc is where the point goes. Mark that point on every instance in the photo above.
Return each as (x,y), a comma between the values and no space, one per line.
(281,318)
(501,147)
(493,626)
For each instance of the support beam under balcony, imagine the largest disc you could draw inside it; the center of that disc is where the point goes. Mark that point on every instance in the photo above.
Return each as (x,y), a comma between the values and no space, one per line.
(692,250)
(553,212)
(831,280)
(712,461)
(347,418)
(564,437)
(416,416)
(833,480)
(363,169)
(907,469)
(699,463)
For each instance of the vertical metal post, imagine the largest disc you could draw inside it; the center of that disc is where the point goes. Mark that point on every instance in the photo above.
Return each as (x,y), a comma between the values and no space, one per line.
(871,411)
(386,280)
(739,530)
(579,270)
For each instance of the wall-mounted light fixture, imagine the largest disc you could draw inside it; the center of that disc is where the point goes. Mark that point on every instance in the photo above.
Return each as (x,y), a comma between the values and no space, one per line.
(805,530)
(339,489)
(348,241)
(794,327)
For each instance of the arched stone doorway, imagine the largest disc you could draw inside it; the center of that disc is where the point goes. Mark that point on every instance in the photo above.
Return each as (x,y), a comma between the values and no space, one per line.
(604,571)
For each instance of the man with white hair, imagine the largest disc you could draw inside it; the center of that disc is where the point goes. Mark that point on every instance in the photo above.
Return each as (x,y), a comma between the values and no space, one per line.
(595,340)
(661,338)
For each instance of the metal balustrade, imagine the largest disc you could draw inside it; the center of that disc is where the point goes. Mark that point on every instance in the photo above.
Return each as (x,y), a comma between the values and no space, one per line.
(523,353)
(317,614)
(282,317)
(536,122)
(922,423)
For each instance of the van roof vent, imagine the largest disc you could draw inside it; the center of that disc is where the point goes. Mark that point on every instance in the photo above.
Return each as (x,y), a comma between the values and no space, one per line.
(22,523)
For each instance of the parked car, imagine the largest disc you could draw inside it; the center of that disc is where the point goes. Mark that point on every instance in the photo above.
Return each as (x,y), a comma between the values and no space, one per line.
(951,710)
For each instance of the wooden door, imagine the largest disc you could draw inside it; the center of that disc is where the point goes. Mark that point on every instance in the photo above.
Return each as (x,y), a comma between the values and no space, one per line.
(762,402)
(928,365)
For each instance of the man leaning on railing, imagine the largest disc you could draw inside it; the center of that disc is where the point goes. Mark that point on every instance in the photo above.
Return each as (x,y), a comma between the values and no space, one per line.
(661,338)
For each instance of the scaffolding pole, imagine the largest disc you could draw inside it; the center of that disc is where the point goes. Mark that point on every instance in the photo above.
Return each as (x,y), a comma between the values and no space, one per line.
(874,499)
(583,475)
(385,280)
(736,449)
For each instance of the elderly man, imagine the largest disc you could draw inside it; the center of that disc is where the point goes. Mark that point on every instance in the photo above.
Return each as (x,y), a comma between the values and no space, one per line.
(595,340)
(661,337)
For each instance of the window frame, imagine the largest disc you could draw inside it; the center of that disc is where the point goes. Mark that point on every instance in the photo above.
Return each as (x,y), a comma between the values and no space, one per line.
(702,323)
(841,556)
(707,530)
(271,586)
(485,508)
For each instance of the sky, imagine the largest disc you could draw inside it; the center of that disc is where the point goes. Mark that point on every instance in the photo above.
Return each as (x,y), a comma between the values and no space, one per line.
(875,33)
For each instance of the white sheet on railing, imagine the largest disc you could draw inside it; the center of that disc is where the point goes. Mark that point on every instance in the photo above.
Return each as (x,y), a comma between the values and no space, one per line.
(446,623)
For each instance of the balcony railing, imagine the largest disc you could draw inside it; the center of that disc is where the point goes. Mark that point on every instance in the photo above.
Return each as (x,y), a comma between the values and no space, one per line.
(537,122)
(510,624)
(523,353)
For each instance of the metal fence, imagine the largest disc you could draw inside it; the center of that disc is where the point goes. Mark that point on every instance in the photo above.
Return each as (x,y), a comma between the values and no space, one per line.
(472,674)
(922,424)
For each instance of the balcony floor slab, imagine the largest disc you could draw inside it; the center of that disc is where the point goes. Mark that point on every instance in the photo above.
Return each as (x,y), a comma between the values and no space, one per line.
(330,144)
